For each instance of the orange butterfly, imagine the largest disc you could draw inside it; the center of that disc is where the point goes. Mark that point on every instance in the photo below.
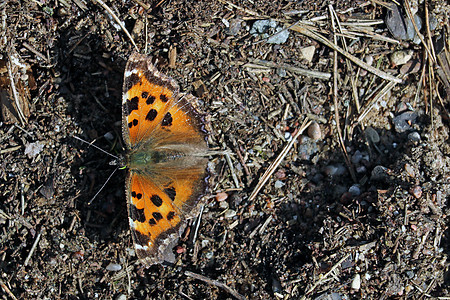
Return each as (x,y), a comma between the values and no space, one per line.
(167,158)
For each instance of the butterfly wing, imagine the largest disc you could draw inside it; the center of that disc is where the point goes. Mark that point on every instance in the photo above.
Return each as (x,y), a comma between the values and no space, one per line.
(158,207)
(146,96)
(167,159)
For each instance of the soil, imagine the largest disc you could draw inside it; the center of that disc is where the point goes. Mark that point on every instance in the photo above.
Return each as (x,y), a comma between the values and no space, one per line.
(357,208)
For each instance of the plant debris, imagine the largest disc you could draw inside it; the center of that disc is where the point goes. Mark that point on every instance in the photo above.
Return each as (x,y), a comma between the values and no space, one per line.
(332,172)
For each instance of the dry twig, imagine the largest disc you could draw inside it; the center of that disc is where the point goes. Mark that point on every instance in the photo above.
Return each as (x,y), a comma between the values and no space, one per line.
(325,277)
(215,283)
(271,169)
(109,10)
(20,114)
(336,109)
(33,248)
(7,290)
(258,63)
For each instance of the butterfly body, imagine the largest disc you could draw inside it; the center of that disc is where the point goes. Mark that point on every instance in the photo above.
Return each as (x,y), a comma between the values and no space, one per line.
(167,158)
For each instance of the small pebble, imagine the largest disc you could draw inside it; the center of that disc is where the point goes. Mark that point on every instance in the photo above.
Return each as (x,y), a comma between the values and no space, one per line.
(180,249)
(416,191)
(361,169)
(314,131)
(279,184)
(409,170)
(280,37)
(427,252)
(281,72)
(369,59)
(113,267)
(234,27)
(414,137)
(411,67)
(205,243)
(433,22)
(222,196)
(307,148)
(33,149)
(209,255)
(121,297)
(230,213)
(334,170)
(276,285)
(224,204)
(356,157)
(109,136)
(308,52)
(356,282)
(403,121)
(262,26)
(269,29)
(401,57)
(355,190)
(379,173)
(52,261)
(372,135)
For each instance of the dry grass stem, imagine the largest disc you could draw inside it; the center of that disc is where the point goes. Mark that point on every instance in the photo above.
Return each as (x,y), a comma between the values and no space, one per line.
(258,64)
(15,93)
(271,169)
(33,248)
(379,94)
(325,277)
(411,17)
(215,283)
(303,30)
(7,290)
(118,21)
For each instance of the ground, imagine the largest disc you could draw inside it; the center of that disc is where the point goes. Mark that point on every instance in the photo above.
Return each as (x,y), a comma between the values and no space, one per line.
(356,206)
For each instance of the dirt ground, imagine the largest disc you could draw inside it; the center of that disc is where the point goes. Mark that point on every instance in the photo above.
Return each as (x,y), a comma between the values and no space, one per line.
(354,207)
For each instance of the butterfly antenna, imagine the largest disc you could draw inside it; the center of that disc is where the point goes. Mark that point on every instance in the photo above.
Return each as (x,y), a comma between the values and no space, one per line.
(93,198)
(96,147)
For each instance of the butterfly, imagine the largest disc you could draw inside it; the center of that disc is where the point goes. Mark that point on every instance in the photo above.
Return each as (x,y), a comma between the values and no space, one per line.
(167,157)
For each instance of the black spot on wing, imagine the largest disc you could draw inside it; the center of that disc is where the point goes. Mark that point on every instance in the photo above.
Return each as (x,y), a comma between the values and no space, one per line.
(170,215)
(132,104)
(164,98)
(150,100)
(157,216)
(151,115)
(132,80)
(144,95)
(134,195)
(137,214)
(156,200)
(171,192)
(152,222)
(167,120)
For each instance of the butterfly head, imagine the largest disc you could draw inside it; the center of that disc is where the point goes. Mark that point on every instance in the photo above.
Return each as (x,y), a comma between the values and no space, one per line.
(120,162)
